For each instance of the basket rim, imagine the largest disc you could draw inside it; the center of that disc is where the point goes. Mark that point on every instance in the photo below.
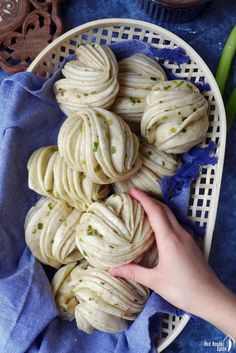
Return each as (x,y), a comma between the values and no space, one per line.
(107,22)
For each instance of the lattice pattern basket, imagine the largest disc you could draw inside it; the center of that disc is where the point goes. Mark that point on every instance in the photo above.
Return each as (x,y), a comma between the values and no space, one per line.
(205,192)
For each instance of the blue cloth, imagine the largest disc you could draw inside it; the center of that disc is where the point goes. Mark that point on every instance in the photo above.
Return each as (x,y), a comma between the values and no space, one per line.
(31,119)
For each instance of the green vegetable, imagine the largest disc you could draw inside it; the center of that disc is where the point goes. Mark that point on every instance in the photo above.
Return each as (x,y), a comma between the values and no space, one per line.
(173,130)
(50,205)
(179,83)
(184,130)
(110,122)
(153,78)
(40,225)
(166,88)
(226,59)
(97,168)
(95,146)
(230,108)
(134,100)
(113,150)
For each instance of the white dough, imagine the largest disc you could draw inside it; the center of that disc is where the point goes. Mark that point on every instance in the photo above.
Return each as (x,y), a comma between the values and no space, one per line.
(137,75)
(90,80)
(114,233)
(175,118)
(50,232)
(100,144)
(49,175)
(155,165)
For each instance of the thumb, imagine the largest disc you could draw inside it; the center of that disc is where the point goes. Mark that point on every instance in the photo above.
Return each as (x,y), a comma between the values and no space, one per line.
(135,273)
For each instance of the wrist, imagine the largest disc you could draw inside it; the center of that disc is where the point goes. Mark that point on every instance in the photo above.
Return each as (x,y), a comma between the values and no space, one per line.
(220,309)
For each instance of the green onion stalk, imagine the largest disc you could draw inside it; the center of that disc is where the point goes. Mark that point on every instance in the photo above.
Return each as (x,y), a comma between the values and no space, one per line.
(226,59)
(230,108)
(222,74)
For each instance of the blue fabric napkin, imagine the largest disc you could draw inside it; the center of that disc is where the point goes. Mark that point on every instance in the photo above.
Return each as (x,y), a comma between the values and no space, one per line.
(30,118)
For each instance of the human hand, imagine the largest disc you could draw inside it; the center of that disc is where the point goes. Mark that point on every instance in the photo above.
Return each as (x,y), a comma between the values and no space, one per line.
(182,275)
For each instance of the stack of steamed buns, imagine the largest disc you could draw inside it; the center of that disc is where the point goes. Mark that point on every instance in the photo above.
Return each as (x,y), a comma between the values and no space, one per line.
(125,121)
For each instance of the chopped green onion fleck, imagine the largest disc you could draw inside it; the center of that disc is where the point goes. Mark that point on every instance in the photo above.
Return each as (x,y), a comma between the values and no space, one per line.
(179,83)
(40,225)
(62,91)
(167,87)
(111,246)
(84,161)
(160,101)
(103,283)
(80,280)
(113,150)
(92,231)
(95,146)
(86,94)
(194,110)
(97,168)
(82,176)
(189,86)
(50,205)
(65,223)
(173,130)
(52,241)
(184,130)
(163,163)
(110,122)
(78,45)
(81,128)
(134,100)
(153,78)
(99,115)
(94,92)
(84,253)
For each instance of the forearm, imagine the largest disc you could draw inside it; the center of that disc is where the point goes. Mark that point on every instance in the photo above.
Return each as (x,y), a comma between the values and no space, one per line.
(220,310)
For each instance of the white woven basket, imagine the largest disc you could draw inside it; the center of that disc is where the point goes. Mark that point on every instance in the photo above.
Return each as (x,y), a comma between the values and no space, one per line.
(205,192)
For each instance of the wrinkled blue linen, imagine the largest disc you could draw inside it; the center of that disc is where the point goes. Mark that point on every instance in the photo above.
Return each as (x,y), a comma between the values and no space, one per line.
(30,118)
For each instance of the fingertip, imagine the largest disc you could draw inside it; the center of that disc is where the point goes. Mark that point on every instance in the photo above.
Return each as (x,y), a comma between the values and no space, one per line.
(114,271)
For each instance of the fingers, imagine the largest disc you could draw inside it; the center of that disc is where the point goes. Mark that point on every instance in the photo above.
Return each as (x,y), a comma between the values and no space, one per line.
(156,212)
(135,273)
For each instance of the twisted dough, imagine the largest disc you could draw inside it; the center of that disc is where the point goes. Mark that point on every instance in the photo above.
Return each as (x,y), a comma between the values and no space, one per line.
(62,290)
(49,175)
(106,303)
(155,164)
(90,80)
(114,233)
(101,144)
(137,75)
(175,118)
(50,232)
